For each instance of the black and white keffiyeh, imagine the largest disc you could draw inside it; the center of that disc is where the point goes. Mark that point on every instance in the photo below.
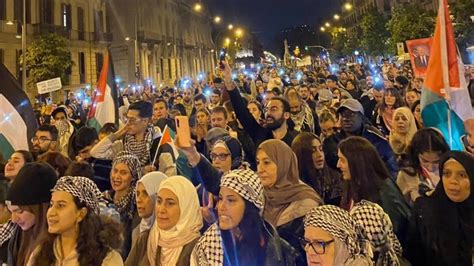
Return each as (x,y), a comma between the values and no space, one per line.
(209,249)
(81,187)
(379,230)
(337,222)
(141,149)
(247,184)
(133,163)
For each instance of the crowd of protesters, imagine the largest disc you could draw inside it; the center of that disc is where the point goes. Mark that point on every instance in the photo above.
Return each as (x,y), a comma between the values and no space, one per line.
(328,164)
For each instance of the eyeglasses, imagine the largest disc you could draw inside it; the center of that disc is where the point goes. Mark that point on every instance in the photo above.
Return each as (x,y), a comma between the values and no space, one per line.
(40,139)
(318,246)
(133,120)
(221,157)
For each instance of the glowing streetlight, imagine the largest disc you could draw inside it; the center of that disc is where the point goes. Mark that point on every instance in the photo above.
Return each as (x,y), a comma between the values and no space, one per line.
(127,39)
(348,6)
(230,27)
(322,29)
(197,7)
(217,19)
(10,23)
(239,33)
(327,24)
(336,17)
(227,41)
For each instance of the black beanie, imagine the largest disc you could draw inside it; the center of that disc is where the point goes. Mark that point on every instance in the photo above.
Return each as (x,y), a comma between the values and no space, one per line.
(32,185)
(402,80)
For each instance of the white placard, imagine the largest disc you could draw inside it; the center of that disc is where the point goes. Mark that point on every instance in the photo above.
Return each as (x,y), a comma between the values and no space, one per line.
(49,85)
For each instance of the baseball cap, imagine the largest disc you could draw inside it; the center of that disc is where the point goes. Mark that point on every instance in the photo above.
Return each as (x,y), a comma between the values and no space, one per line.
(351,104)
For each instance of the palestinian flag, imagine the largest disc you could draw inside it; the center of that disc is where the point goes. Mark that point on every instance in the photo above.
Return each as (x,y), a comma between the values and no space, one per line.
(445,101)
(104,105)
(17,119)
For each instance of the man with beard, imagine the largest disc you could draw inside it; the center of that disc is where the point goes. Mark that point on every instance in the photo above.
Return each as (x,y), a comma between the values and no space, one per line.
(304,93)
(373,95)
(188,101)
(215,99)
(277,114)
(353,123)
(304,118)
(45,139)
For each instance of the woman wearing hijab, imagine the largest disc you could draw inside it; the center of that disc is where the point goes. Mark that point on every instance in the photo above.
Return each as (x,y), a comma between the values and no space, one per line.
(241,236)
(77,235)
(314,170)
(332,237)
(442,224)
(379,231)
(28,199)
(403,130)
(178,221)
(287,198)
(147,187)
(125,173)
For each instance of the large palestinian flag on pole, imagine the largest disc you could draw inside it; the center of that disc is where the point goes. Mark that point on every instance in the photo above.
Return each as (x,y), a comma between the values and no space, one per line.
(104,105)
(17,119)
(445,100)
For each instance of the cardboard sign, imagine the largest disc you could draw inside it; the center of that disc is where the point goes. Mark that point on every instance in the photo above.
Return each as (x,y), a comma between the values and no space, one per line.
(49,85)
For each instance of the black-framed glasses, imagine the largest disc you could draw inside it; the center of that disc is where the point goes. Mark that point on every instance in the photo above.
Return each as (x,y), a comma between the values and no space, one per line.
(221,157)
(40,139)
(319,246)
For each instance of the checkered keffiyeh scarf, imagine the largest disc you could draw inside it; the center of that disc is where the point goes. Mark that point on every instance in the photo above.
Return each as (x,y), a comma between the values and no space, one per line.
(379,230)
(81,187)
(133,163)
(338,223)
(126,205)
(141,149)
(247,184)
(6,231)
(209,249)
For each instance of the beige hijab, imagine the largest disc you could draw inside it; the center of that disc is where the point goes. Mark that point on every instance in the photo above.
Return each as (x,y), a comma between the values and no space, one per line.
(186,230)
(288,187)
(398,141)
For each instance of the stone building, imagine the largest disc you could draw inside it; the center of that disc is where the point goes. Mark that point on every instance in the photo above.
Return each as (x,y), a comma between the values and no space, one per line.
(82,22)
(160,40)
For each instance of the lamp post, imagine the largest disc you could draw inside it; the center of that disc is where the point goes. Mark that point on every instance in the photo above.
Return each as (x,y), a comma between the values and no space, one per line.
(23,47)
(23,43)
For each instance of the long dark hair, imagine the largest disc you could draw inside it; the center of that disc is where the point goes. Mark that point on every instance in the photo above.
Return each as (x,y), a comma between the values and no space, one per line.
(97,236)
(302,147)
(366,169)
(251,247)
(399,102)
(425,140)
(28,239)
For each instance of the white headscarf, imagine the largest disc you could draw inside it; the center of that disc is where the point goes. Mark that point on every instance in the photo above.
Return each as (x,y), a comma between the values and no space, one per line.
(151,182)
(185,231)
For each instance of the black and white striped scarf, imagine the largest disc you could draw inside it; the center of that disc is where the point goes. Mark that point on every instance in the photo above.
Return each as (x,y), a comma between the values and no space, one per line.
(141,149)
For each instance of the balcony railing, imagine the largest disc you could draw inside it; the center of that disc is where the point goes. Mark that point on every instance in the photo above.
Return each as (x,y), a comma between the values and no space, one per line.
(40,29)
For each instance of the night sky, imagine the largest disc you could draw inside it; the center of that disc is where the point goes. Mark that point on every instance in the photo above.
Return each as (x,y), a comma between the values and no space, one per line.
(267,17)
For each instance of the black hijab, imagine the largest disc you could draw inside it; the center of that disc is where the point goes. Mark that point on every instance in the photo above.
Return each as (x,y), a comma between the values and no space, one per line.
(454,222)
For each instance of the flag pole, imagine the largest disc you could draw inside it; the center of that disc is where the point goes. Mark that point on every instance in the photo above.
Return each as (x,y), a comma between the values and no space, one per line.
(159,144)
(445,65)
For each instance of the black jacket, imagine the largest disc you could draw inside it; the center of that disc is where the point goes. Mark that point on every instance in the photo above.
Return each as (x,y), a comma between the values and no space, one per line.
(258,133)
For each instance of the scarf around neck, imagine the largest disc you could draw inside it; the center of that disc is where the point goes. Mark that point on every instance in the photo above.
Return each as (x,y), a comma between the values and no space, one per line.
(141,149)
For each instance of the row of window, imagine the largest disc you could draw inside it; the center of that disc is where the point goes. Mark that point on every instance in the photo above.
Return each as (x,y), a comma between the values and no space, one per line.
(47,15)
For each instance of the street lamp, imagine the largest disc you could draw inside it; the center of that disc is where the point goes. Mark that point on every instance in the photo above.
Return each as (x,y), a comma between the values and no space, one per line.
(239,33)
(217,19)
(348,6)
(227,41)
(230,27)
(327,24)
(336,17)
(127,39)
(23,44)
(322,29)
(197,7)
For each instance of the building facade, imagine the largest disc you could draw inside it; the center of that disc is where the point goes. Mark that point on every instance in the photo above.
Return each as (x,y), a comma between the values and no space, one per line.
(82,22)
(160,40)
